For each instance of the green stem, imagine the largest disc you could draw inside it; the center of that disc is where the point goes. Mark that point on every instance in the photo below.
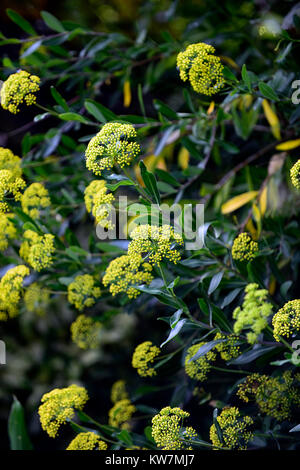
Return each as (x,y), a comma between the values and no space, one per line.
(221,369)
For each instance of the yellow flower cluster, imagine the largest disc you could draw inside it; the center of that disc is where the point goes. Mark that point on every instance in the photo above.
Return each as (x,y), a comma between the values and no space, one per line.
(235,429)
(229,349)
(168,431)
(34,200)
(11,162)
(202,68)
(118,391)
(155,243)
(286,321)
(122,274)
(295,174)
(87,441)
(121,413)
(253,314)
(244,248)
(10,187)
(11,290)
(19,88)
(113,145)
(59,405)
(7,230)
(36,299)
(85,332)
(144,355)
(198,369)
(83,292)
(37,250)
(98,202)
(275,396)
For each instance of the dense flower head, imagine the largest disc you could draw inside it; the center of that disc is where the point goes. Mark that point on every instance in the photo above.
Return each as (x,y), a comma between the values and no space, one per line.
(10,187)
(229,348)
(98,202)
(143,356)
(154,243)
(202,68)
(11,162)
(123,274)
(244,248)
(253,314)
(168,431)
(295,174)
(118,391)
(85,332)
(275,396)
(286,322)
(11,291)
(19,88)
(37,250)
(113,145)
(87,441)
(35,200)
(36,299)
(59,405)
(235,429)
(83,291)
(121,413)
(7,230)
(198,369)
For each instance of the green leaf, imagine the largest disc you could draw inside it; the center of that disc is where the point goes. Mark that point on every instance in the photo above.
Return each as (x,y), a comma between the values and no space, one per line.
(100,112)
(246,77)
(18,436)
(174,331)
(267,91)
(215,281)
(52,22)
(59,99)
(124,436)
(21,22)
(30,50)
(250,356)
(150,182)
(205,348)
(73,117)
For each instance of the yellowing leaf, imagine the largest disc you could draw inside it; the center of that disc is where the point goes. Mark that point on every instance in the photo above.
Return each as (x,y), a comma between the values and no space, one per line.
(272,119)
(183,158)
(257,218)
(127,93)
(250,228)
(211,107)
(288,145)
(237,202)
(263,201)
(151,162)
(230,62)
(272,286)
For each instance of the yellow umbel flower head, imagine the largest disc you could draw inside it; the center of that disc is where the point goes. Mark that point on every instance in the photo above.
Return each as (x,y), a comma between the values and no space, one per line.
(10,187)
(98,202)
(155,243)
(229,349)
(253,314)
(295,174)
(87,441)
(122,275)
(202,68)
(11,291)
(275,396)
(59,405)
(113,145)
(85,332)
(121,413)
(118,391)
(35,200)
(37,250)
(143,356)
(198,369)
(19,88)
(7,230)
(244,248)
(235,429)
(168,431)
(286,321)
(83,292)
(36,299)
(11,162)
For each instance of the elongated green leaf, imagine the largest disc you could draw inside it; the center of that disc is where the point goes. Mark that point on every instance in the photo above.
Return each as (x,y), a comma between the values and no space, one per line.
(215,281)
(174,331)
(250,356)
(52,22)
(267,91)
(73,117)
(205,348)
(21,22)
(18,435)
(150,183)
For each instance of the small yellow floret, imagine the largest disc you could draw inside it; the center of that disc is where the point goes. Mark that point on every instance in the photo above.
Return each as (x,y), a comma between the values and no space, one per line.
(244,248)
(87,441)
(35,200)
(143,356)
(85,332)
(20,88)
(83,292)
